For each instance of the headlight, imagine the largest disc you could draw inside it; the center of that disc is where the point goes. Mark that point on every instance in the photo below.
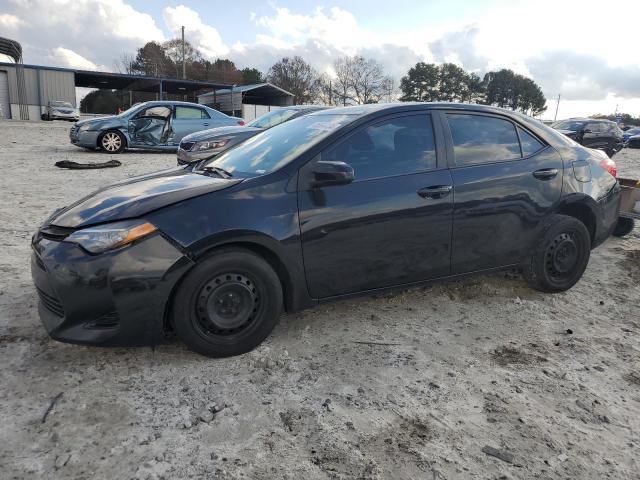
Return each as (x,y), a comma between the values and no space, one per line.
(114,235)
(211,144)
(85,127)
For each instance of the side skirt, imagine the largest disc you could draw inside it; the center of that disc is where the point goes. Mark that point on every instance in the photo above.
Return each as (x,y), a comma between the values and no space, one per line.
(403,286)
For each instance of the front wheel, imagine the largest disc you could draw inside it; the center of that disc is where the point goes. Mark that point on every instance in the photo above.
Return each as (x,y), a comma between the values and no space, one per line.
(112,141)
(561,255)
(228,304)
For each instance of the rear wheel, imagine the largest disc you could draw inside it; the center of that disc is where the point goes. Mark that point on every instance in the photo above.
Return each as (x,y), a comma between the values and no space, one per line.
(561,255)
(228,304)
(112,141)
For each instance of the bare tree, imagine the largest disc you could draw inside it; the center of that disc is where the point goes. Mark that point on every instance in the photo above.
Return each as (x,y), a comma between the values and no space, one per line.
(124,64)
(296,76)
(360,80)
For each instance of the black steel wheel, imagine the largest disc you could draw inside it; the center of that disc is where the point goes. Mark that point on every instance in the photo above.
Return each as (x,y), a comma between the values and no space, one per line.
(228,304)
(561,256)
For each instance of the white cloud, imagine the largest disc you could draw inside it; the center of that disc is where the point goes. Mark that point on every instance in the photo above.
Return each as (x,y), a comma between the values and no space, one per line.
(98,31)
(68,58)
(202,36)
(10,22)
(339,29)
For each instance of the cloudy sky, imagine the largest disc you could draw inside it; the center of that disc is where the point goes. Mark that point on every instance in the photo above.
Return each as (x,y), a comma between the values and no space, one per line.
(584,50)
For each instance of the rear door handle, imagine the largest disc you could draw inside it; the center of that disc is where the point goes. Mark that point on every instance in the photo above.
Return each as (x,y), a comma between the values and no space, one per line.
(205,124)
(435,191)
(545,173)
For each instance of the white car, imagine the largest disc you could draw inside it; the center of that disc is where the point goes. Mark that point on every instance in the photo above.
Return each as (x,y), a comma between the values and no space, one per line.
(57,110)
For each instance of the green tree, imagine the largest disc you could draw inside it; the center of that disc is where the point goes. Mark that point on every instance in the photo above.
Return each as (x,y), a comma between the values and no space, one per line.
(507,89)
(421,83)
(251,76)
(151,59)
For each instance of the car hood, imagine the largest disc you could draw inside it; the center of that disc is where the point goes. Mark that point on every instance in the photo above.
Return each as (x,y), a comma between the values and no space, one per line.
(218,132)
(138,196)
(95,122)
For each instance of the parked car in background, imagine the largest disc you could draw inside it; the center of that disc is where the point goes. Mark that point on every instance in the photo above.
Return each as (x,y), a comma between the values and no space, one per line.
(336,203)
(208,143)
(595,133)
(57,110)
(156,125)
(631,137)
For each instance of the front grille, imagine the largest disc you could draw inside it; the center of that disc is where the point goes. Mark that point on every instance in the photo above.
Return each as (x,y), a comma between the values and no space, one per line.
(57,234)
(51,303)
(107,321)
(187,145)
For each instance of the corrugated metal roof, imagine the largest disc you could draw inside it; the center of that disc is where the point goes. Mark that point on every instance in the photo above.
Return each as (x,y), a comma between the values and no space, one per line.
(248,88)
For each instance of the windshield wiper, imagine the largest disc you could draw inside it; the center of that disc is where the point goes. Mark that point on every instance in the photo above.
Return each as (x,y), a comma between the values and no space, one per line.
(220,171)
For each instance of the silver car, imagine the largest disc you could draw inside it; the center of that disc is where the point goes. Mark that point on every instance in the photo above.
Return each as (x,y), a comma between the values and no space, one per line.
(58,110)
(209,143)
(156,125)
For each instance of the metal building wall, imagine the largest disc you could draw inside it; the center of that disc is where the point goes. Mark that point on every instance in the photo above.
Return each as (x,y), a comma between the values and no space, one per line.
(41,86)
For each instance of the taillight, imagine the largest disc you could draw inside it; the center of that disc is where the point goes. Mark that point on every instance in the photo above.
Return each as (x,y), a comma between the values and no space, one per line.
(609,165)
(241,123)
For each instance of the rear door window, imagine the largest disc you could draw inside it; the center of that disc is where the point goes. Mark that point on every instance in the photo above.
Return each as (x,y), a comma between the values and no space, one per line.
(479,139)
(397,146)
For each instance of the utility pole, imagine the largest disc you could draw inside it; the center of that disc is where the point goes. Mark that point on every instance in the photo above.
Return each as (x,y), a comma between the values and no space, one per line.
(184,70)
(557,106)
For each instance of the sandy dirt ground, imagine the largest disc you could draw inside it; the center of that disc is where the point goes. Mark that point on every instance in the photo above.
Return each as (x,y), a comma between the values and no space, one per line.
(472,379)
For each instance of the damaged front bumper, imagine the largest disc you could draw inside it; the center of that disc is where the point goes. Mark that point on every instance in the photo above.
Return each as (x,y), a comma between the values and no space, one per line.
(117,298)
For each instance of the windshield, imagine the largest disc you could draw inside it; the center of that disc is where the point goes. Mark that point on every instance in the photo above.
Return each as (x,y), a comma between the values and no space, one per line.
(571,125)
(62,104)
(277,146)
(271,119)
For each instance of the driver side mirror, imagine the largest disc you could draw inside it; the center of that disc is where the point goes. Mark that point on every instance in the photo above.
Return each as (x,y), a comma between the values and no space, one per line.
(586,130)
(326,173)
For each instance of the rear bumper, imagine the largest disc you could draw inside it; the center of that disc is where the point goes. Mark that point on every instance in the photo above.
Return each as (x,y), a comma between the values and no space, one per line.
(117,298)
(609,206)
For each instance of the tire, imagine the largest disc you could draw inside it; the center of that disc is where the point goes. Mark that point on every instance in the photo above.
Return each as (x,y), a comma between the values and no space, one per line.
(227,304)
(561,255)
(623,227)
(112,141)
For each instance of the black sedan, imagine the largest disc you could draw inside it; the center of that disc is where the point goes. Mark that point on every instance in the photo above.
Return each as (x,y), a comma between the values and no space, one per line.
(337,203)
(212,142)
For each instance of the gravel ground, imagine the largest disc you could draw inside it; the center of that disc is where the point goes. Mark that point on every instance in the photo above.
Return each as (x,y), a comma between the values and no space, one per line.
(471,379)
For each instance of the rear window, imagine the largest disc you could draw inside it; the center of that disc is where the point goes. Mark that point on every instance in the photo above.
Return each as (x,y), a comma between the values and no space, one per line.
(479,139)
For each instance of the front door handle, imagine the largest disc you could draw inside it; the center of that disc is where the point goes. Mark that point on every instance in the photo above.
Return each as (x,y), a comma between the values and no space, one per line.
(545,173)
(435,191)
(205,124)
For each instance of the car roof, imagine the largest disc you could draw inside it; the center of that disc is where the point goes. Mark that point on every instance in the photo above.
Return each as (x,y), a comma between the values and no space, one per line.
(171,102)
(581,119)
(402,106)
